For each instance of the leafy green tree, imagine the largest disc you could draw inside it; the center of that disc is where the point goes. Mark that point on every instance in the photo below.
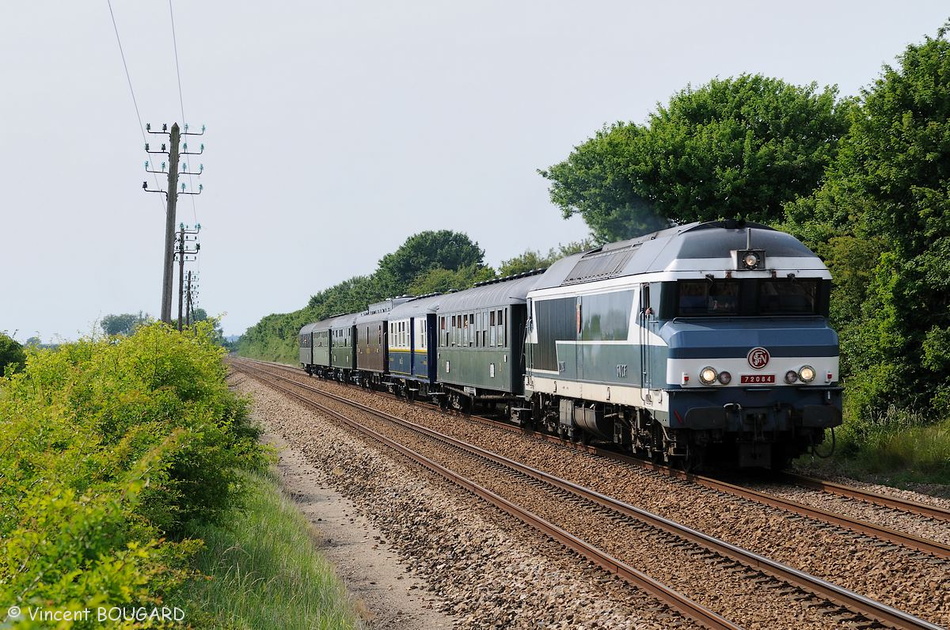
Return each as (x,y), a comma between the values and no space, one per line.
(422,252)
(599,182)
(12,356)
(532,259)
(427,262)
(445,280)
(740,147)
(124,324)
(887,194)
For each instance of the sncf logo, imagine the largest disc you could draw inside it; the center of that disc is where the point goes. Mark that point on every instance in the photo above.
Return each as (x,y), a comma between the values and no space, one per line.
(758,358)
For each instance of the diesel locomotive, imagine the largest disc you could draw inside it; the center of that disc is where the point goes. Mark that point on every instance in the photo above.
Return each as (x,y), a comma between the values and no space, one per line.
(703,344)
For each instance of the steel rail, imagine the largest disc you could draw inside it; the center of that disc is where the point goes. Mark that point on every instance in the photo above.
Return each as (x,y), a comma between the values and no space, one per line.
(668,596)
(910,541)
(866,528)
(844,597)
(897,503)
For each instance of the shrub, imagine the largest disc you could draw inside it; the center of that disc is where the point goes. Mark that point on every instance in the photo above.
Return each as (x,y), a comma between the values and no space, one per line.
(109,449)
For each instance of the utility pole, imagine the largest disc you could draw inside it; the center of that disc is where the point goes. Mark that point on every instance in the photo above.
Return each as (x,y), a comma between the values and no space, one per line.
(183,252)
(171,194)
(188,306)
(191,295)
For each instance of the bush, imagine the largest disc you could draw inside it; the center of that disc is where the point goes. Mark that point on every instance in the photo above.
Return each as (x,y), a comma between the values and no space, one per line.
(11,354)
(109,450)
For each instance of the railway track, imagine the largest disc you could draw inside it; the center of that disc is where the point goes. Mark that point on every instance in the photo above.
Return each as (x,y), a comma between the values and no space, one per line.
(937,549)
(904,505)
(795,587)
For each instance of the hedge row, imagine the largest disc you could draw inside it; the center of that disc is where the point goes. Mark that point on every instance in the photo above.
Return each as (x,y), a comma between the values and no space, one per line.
(110,451)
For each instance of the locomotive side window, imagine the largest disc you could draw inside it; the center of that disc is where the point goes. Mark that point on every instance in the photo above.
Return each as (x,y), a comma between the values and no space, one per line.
(606,316)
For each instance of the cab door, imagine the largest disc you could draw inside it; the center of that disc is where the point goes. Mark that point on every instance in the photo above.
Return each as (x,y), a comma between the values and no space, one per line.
(649,354)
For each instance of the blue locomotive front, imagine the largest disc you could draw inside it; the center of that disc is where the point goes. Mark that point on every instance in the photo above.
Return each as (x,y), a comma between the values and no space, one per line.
(702,342)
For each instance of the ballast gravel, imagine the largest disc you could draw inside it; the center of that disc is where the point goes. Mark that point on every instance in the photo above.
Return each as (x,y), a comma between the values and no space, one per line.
(481,569)
(910,581)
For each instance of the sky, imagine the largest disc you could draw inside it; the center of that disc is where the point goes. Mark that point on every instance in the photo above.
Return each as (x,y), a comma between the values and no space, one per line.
(337,130)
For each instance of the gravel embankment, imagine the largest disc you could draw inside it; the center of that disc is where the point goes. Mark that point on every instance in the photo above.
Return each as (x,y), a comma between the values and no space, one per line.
(486,570)
(912,582)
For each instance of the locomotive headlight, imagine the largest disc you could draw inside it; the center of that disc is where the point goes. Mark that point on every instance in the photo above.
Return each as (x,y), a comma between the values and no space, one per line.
(749,259)
(791,376)
(725,378)
(807,374)
(708,375)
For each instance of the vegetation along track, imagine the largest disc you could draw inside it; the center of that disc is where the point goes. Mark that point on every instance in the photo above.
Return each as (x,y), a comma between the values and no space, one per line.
(715,573)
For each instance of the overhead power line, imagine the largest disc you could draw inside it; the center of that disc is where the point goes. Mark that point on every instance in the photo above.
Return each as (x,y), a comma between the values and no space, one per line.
(128,78)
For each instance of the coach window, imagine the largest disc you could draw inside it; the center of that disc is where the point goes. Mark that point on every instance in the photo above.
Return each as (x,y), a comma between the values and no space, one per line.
(503,314)
(483,327)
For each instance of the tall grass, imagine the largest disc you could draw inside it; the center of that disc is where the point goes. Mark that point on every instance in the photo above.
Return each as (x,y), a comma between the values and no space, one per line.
(901,445)
(262,570)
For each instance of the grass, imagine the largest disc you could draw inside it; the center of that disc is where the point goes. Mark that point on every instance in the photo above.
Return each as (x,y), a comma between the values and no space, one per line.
(261,570)
(897,448)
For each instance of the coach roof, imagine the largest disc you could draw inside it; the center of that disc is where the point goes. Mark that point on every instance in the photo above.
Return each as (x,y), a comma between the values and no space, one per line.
(491,294)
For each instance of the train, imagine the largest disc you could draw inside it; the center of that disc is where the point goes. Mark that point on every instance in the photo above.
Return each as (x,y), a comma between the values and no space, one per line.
(704,345)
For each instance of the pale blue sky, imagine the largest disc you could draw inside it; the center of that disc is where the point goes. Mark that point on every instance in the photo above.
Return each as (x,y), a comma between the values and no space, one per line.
(337,130)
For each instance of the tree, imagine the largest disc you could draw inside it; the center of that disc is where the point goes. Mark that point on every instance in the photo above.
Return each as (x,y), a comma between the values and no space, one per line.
(733,148)
(445,280)
(124,324)
(598,182)
(12,356)
(531,259)
(425,251)
(889,195)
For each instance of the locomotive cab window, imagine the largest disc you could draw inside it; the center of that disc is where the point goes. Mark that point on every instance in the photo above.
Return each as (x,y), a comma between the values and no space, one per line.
(705,297)
(752,297)
(788,297)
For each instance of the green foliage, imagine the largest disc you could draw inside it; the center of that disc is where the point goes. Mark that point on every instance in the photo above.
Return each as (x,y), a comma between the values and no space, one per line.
(109,451)
(444,280)
(423,252)
(896,442)
(426,263)
(532,259)
(599,181)
(12,356)
(739,147)
(124,324)
(882,221)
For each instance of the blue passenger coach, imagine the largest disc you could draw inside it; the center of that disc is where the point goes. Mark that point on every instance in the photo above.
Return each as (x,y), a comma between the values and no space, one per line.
(412,346)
